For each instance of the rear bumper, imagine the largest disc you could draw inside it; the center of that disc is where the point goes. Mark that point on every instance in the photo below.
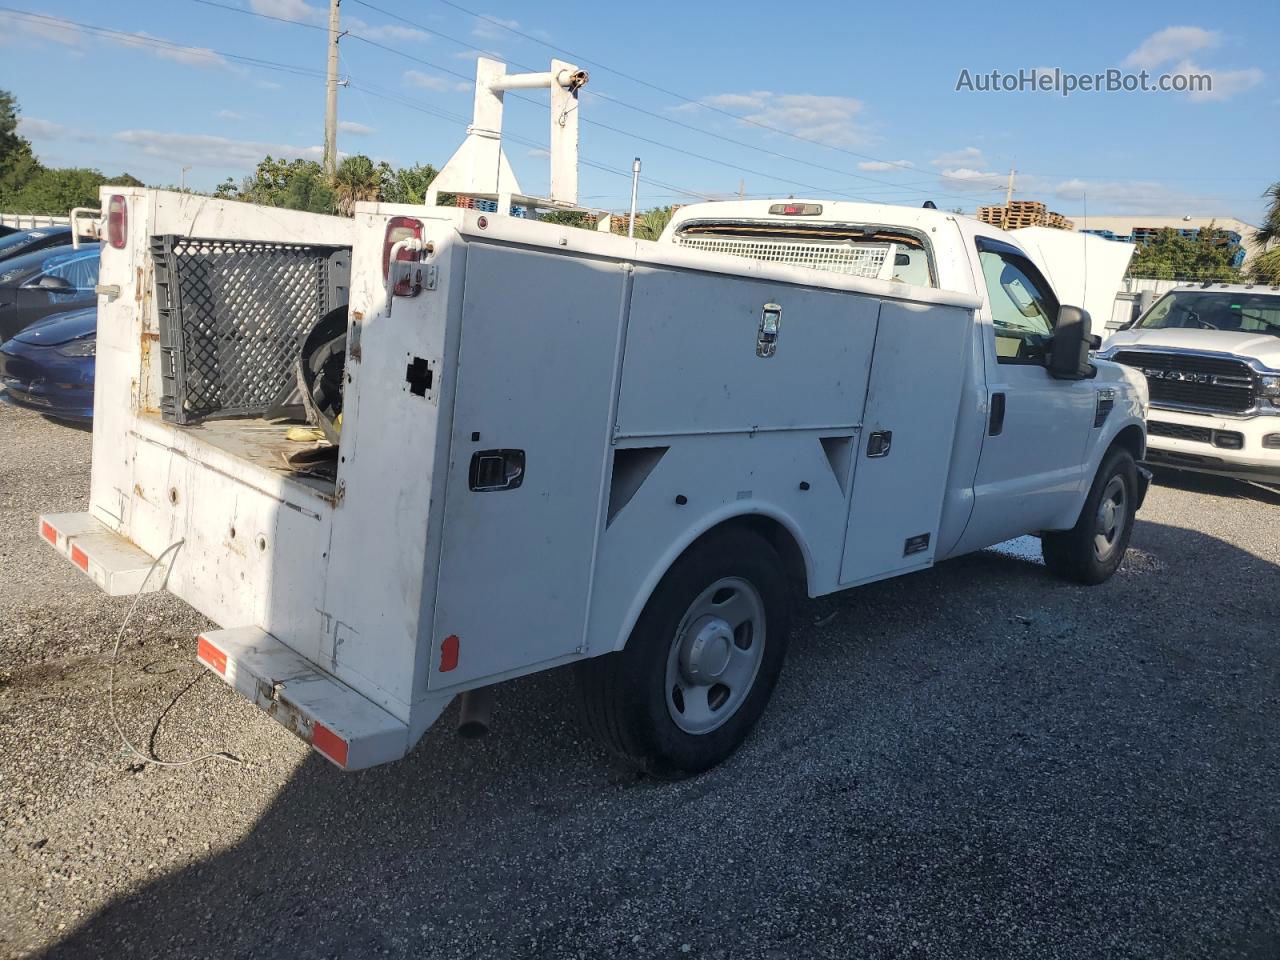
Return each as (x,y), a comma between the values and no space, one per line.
(341,724)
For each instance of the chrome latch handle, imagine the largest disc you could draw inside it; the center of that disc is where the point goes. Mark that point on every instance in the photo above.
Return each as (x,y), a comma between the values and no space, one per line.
(767,335)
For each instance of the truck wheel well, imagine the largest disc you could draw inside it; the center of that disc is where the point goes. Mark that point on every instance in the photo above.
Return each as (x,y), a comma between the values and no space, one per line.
(781,539)
(1133,440)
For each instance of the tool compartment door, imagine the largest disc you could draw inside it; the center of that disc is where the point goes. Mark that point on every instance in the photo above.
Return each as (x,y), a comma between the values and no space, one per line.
(909,423)
(536,363)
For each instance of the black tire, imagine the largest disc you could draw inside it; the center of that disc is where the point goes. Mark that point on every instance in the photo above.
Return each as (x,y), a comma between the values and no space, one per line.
(624,697)
(1075,554)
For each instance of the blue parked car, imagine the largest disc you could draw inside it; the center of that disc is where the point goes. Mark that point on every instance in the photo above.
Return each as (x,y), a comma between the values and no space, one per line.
(48,367)
(35,285)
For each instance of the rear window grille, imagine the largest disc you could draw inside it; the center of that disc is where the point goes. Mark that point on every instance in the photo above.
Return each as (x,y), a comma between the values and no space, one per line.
(232,317)
(853,259)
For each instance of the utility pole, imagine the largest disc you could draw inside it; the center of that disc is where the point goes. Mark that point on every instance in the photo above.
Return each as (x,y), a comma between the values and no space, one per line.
(1008,199)
(742,189)
(635,188)
(331,96)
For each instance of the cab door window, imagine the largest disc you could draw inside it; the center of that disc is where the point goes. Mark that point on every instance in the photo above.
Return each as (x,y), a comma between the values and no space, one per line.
(1023,307)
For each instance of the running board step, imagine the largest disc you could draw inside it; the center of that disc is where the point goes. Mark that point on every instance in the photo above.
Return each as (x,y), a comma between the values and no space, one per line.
(341,724)
(115,564)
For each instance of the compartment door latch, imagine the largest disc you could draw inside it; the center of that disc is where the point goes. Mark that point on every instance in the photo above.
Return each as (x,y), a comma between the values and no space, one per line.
(767,335)
(493,470)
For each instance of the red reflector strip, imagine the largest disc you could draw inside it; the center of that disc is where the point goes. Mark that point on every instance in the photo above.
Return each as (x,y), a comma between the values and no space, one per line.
(47,531)
(211,655)
(79,558)
(449,653)
(329,743)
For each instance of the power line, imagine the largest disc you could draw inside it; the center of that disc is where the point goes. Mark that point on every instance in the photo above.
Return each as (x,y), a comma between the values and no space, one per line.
(672,120)
(627,133)
(135,39)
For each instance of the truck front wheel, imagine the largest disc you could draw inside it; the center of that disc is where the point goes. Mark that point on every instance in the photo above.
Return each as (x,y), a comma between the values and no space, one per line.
(1091,551)
(701,662)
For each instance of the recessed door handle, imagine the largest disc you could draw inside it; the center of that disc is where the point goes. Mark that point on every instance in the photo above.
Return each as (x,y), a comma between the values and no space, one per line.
(997,415)
(878,443)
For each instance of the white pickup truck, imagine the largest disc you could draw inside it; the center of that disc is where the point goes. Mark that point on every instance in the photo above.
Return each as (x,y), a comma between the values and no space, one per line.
(550,445)
(1211,356)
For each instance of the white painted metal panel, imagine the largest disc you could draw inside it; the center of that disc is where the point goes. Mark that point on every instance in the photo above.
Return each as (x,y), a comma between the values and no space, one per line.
(692,365)
(919,366)
(536,365)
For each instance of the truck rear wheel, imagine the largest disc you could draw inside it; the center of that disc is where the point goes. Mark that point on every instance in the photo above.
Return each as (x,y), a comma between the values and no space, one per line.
(1091,551)
(701,662)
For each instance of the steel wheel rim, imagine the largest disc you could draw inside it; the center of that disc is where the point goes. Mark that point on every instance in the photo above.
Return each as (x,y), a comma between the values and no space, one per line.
(715,655)
(1109,523)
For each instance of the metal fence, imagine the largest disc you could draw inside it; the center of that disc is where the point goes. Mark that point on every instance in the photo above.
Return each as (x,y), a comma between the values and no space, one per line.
(233,314)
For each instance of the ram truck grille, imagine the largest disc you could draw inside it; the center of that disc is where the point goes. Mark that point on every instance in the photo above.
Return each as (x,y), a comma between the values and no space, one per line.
(1212,384)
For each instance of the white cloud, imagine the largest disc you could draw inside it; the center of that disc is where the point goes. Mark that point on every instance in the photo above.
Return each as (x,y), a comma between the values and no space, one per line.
(36,129)
(205,150)
(885,165)
(45,28)
(833,120)
(68,34)
(228,115)
(192,56)
(969,179)
(1225,84)
(538,152)
(489,27)
(954,158)
(429,81)
(387,32)
(1171,43)
(1129,197)
(289,10)
(357,129)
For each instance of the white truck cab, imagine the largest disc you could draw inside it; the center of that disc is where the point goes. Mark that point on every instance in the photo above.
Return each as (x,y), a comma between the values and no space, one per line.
(547,445)
(1211,356)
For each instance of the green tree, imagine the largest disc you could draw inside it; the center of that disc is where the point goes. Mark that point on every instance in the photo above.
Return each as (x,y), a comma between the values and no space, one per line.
(651,223)
(297,184)
(1206,255)
(17,163)
(358,178)
(409,184)
(56,191)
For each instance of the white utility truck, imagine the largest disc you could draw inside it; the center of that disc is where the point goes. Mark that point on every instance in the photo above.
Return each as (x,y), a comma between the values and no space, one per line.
(549,445)
(1211,357)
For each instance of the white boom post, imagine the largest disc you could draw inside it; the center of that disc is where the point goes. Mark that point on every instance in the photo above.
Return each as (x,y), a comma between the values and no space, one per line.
(480,166)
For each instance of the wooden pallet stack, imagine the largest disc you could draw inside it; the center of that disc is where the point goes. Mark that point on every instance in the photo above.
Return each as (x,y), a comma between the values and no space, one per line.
(1023,213)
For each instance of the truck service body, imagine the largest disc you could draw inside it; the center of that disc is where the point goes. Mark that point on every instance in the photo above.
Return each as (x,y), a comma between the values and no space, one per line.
(545,429)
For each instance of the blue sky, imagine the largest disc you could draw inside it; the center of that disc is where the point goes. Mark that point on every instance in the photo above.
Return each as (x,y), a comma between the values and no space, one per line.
(841,100)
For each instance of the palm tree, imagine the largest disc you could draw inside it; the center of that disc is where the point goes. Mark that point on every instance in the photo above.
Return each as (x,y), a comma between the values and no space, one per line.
(1270,229)
(357,179)
(1266,265)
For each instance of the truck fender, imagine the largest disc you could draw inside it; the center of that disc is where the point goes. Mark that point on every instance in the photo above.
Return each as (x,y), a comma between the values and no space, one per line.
(1128,430)
(738,510)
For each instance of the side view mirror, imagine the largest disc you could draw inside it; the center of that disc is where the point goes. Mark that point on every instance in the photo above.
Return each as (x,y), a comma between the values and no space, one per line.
(54,284)
(1069,349)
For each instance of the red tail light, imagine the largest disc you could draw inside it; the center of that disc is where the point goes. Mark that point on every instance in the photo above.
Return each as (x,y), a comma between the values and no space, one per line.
(117,221)
(400,228)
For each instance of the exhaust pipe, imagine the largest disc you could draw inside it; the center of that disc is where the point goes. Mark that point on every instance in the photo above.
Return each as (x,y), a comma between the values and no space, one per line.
(474,710)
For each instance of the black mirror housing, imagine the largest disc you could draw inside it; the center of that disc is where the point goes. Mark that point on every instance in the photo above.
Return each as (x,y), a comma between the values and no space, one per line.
(1069,349)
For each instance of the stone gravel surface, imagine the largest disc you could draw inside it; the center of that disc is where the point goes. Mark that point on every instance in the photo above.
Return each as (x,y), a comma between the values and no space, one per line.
(977,761)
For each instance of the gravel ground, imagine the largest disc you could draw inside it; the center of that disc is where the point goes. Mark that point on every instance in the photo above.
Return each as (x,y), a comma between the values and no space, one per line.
(977,761)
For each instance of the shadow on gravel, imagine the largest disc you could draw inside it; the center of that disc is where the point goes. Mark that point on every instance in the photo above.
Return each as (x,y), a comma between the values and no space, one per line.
(1224,487)
(1015,770)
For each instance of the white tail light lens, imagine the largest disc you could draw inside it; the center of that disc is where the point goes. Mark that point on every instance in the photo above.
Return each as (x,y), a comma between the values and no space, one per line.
(400,228)
(117,221)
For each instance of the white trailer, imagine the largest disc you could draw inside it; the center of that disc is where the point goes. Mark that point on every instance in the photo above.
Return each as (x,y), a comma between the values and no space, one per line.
(560,446)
